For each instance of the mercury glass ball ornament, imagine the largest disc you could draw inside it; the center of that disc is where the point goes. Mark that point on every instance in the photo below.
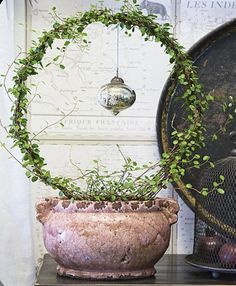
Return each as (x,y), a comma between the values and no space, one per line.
(116,96)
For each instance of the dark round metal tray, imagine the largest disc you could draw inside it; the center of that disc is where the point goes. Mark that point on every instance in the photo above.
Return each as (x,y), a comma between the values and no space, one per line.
(216,270)
(215,58)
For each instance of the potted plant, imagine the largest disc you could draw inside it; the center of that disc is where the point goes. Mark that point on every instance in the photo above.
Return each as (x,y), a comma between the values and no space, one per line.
(118,227)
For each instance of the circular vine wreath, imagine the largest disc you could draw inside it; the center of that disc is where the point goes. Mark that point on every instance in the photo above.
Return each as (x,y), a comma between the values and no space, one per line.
(185,143)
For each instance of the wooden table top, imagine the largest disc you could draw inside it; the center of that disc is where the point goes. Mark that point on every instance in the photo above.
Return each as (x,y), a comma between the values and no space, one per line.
(171,270)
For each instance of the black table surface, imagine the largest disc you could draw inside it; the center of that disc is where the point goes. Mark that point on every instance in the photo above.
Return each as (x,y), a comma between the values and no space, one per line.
(171,270)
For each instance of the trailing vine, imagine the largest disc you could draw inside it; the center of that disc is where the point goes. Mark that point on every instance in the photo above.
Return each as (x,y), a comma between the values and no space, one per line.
(71,30)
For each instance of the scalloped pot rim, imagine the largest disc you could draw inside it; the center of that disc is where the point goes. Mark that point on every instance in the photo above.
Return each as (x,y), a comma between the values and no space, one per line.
(66,205)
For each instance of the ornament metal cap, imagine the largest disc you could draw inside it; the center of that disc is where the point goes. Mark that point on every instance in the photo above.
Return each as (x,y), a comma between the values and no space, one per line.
(117,80)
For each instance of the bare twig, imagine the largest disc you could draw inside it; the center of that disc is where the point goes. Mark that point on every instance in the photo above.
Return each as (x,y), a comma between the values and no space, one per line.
(55,16)
(35,94)
(31,2)
(77,167)
(147,170)
(53,124)
(123,156)
(3,145)
(3,127)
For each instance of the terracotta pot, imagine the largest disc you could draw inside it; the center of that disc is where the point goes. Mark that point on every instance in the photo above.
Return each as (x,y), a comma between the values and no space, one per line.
(104,240)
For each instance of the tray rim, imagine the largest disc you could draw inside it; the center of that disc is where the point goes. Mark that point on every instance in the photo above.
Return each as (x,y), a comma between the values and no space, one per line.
(190,260)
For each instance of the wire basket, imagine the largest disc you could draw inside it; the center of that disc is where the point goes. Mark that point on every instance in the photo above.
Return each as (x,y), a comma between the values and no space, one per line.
(215,234)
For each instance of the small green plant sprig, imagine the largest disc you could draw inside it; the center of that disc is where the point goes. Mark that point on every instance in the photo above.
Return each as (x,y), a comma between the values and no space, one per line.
(173,163)
(132,181)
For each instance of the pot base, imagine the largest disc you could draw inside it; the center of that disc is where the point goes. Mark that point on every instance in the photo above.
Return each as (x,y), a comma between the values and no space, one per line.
(105,275)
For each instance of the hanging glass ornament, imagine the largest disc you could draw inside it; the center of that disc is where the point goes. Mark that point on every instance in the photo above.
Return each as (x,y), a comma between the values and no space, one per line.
(116,95)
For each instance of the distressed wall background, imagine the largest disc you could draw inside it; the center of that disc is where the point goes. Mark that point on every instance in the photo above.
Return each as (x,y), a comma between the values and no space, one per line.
(91,132)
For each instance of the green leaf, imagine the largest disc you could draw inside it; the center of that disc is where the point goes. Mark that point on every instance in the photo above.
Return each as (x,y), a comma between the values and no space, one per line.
(214,137)
(220,191)
(212,164)
(34,179)
(222,178)
(66,43)
(165,155)
(56,58)
(62,66)
(204,193)
(28,174)
(206,158)
(215,184)
(61,194)
(210,97)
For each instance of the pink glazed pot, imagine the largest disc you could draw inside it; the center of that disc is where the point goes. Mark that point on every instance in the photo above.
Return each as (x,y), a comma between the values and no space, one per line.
(105,240)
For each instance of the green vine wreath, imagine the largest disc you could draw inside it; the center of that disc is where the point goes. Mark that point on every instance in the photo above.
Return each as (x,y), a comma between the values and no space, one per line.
(185,143)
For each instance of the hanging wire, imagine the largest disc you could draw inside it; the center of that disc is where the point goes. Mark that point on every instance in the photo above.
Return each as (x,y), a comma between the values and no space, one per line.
(117,50)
